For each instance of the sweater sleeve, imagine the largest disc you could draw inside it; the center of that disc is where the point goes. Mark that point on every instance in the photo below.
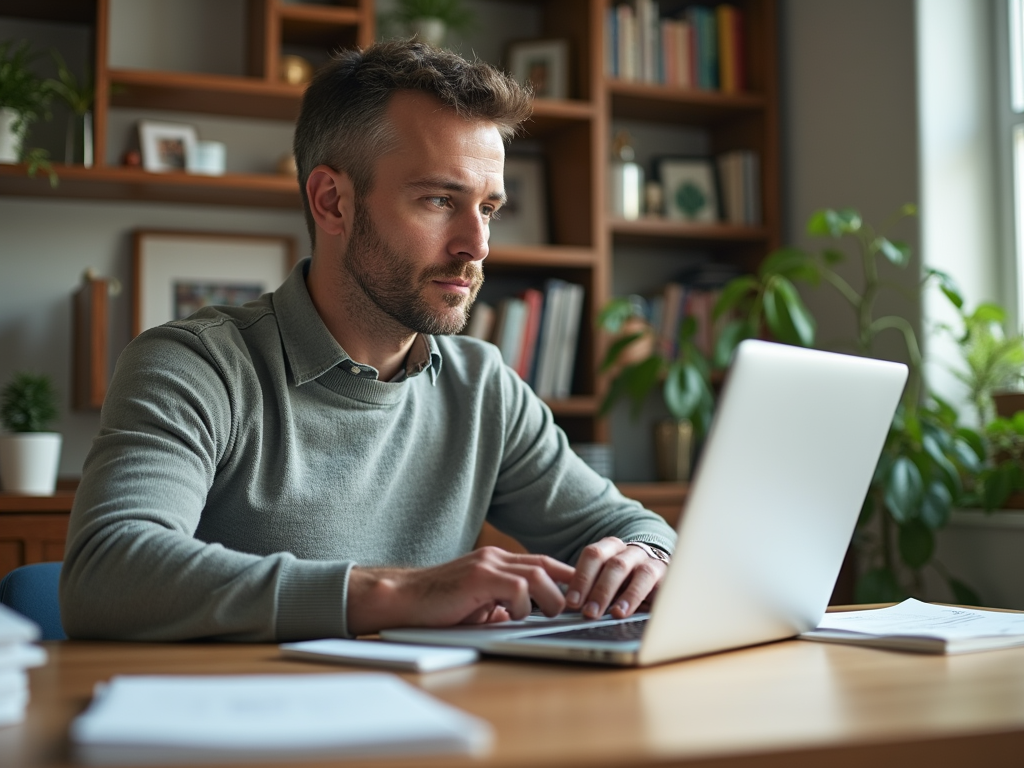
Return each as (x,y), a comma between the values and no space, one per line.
(548,498)
(133,569)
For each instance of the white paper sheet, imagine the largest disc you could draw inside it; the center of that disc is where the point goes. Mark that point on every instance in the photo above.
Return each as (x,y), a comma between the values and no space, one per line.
(912,617)
(150,719)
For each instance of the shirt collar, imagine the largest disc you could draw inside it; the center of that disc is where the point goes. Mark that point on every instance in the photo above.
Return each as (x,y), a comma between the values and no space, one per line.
(310,348)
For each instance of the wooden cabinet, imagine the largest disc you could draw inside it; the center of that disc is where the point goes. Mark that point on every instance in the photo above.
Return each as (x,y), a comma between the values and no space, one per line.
(33,528)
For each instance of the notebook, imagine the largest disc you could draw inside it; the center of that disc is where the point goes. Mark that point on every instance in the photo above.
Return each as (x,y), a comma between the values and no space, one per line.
(771,510)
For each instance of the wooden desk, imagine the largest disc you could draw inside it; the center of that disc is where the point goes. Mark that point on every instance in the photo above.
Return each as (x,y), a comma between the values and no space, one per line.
(793,704)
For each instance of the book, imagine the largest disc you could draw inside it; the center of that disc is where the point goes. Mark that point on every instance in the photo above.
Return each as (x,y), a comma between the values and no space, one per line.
(534,301)
(159,719)
(566,361)
(481,321)
(922,627)
(370,653)
(508,329)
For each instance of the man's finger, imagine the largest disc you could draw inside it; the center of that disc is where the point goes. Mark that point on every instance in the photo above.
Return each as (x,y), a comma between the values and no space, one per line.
(588,568)
(642,582)
(615,574)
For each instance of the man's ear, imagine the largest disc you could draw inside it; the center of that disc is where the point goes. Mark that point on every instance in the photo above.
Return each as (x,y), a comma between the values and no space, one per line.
(331,200)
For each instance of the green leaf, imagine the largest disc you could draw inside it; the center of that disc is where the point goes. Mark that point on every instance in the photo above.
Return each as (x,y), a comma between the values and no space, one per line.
(640,380)
(733,293)
(946,468)
(916,544)
(966,454)
(728,339)
(615,313)
(896,252)
(791,263)
(617,348)
(878,586)
(998,485)
(903,490)
(973,441)
(963,594)
(684,388)
(936,506)
(832,256)
(800,317)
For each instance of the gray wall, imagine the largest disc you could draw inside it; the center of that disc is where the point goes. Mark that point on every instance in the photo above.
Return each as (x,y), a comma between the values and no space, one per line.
(849,127)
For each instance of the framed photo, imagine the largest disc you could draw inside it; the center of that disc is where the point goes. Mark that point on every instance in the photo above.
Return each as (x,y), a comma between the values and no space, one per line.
(523,218)
(544,64)
(167,147)
(689,189)
(176,273)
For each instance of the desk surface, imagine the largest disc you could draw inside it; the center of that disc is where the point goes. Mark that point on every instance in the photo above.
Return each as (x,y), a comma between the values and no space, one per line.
(786,704)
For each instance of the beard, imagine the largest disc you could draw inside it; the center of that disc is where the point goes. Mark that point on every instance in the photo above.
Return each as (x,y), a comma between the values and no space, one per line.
(393,284)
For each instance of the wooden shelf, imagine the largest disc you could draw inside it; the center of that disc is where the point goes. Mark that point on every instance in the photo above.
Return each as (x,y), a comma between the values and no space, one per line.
(210,94)
(317,25)
(663,104)
(541,256)
(17,503)
(656,231)
(262,190)
(552,115)
(578,405)
(667,499)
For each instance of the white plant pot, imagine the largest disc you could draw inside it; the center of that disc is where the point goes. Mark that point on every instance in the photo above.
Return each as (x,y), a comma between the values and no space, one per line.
(10,143)
(29,462)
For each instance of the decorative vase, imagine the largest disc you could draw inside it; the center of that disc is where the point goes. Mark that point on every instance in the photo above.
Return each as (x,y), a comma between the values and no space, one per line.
(29,462)
(673,444)
(429,30)
(78,140)
(10,142)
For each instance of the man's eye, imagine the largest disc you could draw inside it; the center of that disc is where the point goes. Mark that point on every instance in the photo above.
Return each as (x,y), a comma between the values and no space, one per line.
(440,201)
(490,212)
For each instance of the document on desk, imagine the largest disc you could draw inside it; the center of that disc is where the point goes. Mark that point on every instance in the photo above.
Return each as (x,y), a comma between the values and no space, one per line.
(137,719)
(916,626)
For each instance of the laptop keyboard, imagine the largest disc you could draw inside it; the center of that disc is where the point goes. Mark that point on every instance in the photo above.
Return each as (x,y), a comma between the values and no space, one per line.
(621,632)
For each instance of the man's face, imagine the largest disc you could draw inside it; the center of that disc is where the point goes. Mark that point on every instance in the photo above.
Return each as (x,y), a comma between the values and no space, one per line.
(420,236)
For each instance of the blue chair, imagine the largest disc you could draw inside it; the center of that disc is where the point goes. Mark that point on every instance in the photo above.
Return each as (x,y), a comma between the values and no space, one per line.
(31,590)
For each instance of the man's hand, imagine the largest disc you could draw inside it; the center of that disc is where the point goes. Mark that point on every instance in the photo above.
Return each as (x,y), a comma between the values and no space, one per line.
(610,570)
(488,584)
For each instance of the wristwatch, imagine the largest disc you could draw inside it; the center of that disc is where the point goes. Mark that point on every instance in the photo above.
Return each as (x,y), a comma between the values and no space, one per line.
(652,551)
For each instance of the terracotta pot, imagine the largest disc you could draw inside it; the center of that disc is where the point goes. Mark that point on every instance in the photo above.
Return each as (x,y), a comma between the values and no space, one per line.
(673,449)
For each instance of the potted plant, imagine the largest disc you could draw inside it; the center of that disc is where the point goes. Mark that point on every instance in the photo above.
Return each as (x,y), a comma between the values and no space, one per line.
(24,99)
(927,455)
(749,306)
(29,454)
(430,20)
(79,96)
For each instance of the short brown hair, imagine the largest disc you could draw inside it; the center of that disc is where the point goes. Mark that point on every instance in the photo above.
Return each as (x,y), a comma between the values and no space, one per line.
(341,123)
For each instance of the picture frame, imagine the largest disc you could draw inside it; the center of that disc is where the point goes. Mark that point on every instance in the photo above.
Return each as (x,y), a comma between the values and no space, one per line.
(544,64)
(167,147)
(522,220)
(175,273)
(689,189)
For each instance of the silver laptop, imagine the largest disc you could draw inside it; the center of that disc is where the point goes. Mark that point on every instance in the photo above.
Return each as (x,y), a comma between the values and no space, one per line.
(770,513)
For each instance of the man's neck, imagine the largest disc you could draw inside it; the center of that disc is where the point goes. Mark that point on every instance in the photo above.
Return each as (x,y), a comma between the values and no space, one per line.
(368,335)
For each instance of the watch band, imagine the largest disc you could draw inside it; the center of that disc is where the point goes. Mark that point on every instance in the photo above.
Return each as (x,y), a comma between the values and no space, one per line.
(656,553)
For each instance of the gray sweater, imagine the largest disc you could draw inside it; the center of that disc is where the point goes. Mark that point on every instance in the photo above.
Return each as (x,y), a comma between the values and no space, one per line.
(245,463)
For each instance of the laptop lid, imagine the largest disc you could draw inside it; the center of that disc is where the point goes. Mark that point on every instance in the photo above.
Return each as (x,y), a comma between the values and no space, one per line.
(770,513)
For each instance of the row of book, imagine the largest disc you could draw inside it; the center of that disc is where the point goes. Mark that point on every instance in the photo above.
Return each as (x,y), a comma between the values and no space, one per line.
(537,332)
(739,177)
(702,47)
(667,310)
(17,655)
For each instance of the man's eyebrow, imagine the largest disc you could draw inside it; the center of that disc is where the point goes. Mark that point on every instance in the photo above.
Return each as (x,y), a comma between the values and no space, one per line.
(450,185)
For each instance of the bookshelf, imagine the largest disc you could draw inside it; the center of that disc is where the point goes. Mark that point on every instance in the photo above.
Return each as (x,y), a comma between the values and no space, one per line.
(573,136)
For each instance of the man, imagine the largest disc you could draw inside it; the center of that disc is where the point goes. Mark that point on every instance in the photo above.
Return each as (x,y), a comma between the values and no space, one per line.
(320,462)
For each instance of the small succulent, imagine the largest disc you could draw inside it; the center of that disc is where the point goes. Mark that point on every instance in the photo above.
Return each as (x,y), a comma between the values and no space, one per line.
(28,403)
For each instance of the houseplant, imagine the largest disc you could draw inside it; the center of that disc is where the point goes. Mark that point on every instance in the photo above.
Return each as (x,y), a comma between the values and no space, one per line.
(79,96)
(430,20)
(927,454)
(29,454)
(24,99)
(638,365)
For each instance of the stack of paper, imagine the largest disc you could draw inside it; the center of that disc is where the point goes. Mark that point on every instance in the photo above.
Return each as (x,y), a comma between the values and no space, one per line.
(165,719)
(16,656)
(916,626)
